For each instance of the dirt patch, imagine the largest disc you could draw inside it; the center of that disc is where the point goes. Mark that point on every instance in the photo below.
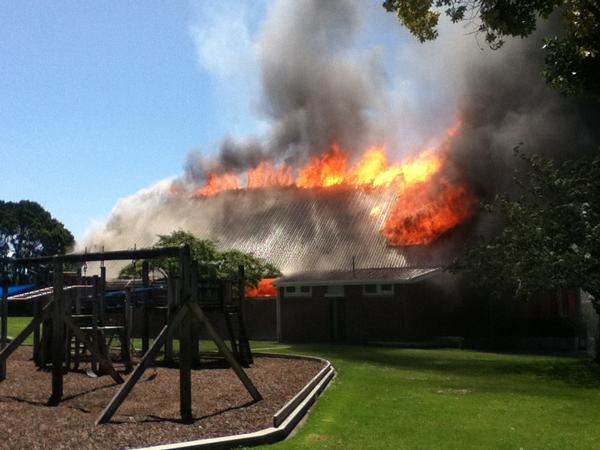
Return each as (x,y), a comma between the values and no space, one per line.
(150,415)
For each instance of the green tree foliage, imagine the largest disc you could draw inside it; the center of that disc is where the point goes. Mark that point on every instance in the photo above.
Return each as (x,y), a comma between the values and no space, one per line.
(27,229)
(212,261)
(572,58)
(550,234)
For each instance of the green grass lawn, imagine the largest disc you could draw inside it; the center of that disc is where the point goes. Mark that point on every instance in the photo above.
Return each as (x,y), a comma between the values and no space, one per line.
(446,399)
(16,324)
(452,399)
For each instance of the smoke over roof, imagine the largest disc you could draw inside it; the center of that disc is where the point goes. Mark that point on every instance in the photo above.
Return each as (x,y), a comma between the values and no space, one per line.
(297,230)
(319,86)
(314,90)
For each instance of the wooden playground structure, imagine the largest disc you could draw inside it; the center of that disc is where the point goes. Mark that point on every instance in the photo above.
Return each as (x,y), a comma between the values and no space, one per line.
(70,320)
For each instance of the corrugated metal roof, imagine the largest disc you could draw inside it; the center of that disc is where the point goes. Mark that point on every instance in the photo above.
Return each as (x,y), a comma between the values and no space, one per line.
(307,230)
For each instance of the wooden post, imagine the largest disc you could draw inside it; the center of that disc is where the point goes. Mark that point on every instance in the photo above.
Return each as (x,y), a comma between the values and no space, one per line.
(101,293)
(58,339)
(185,339)
(4,333)
(243,344)
(68,301)
(170,305)
(95,319)
(128,329)
(145,310)
(45,326)
(36,331)
(194,323)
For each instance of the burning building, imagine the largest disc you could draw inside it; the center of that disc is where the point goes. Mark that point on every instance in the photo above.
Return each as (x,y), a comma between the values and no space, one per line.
(358,195)
(346,236)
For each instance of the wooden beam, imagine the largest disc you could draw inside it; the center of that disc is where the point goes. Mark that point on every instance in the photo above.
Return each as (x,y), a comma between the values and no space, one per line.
(128,329)
(145,310)
(119,255)
(225,351)
(67,299)
(102,290)
(170,302)
(194,324)
(103,360)
(95,318)
(58,339)
(125,389)
(185,339)
(36,330)
(185,369)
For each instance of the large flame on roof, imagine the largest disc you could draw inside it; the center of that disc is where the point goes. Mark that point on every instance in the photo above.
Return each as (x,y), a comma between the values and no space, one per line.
(427,205)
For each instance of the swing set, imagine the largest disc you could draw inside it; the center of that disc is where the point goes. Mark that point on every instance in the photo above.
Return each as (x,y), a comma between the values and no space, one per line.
(66,333)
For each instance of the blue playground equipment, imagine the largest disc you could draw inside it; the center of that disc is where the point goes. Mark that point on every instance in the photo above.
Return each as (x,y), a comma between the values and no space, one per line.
(18,289)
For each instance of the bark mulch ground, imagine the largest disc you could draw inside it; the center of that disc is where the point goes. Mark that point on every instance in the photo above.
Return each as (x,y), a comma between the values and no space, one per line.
(150,415)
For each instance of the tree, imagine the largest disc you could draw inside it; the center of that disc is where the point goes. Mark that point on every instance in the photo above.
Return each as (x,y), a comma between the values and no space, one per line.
(210,258)
(27,230)
(550,233)
(572,60)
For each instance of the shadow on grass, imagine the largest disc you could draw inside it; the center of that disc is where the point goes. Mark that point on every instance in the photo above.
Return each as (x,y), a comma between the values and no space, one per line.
(581,373)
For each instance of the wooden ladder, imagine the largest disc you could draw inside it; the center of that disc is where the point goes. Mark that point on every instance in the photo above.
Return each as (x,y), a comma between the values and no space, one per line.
(240,345)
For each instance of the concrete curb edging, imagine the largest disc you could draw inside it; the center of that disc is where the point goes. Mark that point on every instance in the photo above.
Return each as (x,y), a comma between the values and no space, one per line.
(284,420)
(293,403)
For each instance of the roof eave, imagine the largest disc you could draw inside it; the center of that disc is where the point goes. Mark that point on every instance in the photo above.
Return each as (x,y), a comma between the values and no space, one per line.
(357,281)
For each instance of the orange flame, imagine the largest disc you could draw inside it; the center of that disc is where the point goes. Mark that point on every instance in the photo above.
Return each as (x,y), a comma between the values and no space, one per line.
(422,167)
(266,175)
(265,288)
(328,169)
(425,211)
(216,183)
(372,169)
(427,203)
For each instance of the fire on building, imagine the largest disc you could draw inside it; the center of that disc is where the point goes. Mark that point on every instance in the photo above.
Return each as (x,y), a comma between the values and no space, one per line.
(361,197)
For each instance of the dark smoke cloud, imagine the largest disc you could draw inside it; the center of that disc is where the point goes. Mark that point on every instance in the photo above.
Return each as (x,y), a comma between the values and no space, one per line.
(316,89)
(234,156)
(505,103)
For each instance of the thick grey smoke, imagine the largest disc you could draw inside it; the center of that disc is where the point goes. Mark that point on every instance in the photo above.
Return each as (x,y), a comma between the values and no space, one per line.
(314,89)
(317,89)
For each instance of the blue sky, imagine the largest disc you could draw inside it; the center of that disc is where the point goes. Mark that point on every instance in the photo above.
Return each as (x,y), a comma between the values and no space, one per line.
(98,100)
